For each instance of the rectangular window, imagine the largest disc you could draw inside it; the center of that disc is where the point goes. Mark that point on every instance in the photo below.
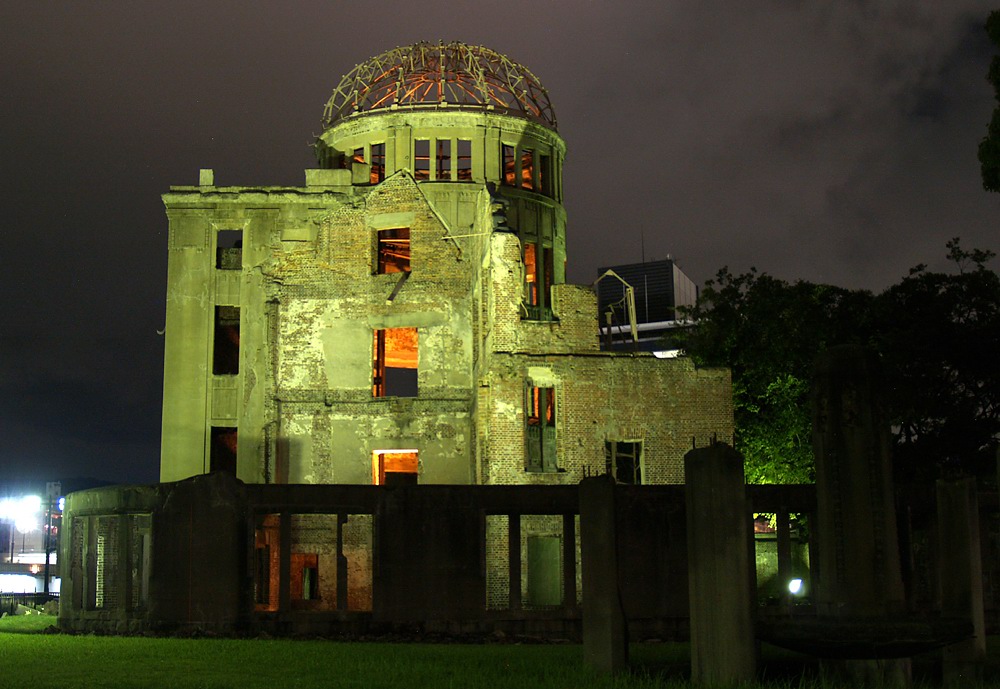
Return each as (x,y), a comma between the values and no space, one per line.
(222,454)
(540,429)
(394,467)
(464,160)
(358,156)
(226,355)
(229,250)
(378,163)
(531,295)
(545,174)
(393,250)
(394,363)
(422,159)
(527,168)
(508,163)
(304,584)
(443,170)
(623,460)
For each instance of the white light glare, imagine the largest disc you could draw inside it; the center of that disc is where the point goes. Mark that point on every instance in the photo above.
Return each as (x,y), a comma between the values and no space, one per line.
(795,586)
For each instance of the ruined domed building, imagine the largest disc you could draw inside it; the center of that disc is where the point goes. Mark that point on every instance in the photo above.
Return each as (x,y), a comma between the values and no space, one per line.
(404,318)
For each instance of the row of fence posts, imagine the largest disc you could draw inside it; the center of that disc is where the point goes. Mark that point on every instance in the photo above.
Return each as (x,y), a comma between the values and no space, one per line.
(852,479)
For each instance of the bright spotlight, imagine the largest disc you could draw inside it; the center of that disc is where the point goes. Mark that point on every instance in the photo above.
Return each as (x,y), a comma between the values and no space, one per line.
(795,586)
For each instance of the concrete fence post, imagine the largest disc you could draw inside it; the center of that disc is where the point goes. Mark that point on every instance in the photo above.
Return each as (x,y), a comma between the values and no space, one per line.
(720,583)
(605,639)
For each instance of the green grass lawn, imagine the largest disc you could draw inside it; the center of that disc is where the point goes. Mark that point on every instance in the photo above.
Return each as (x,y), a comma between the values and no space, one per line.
(31,658)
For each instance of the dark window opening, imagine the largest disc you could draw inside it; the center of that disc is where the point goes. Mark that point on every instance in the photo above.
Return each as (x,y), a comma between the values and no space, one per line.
(378,163)
(394,467)
(464,167)
(508,163)
(422,159)
(226,356)
(443,170)
(623,460)
(393,250)
(527,169)
(545,174)
(262,575)
(304,584)
(229,250)
(394,365)
(222,455)
(540,429)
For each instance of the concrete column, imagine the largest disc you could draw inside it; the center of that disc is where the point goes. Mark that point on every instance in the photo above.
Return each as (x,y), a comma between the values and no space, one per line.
(605,639)
(961,575)
(723,648)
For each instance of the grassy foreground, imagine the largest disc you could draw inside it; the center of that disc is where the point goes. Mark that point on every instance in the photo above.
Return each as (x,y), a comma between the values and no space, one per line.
(29,657)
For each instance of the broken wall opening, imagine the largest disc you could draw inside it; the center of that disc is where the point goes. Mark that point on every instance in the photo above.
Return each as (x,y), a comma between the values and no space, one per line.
(393,250)
(229,250)
(394,366)
(623,460)
(395,467)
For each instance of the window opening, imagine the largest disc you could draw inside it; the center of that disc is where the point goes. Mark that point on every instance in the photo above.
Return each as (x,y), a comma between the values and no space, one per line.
(393,250)
(394,367)
(226,354)
(222,454)
(304,583)
(537,281)
(623,460)
(508,163)
(527,168)
(422,159)
(540,431)
(464,162)
(229,250)
(545,174)
(544,571)
(394,467)
(378,163)
(531,273)
(443,159)
(358,156)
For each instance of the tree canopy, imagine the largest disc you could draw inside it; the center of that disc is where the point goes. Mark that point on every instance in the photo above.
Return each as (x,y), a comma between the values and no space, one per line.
(936,334)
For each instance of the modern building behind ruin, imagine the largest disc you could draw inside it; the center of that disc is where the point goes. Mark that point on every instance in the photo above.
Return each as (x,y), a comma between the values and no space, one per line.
(404,316)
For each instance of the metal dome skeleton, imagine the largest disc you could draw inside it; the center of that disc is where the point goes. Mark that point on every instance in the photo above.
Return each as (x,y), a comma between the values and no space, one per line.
(444,74)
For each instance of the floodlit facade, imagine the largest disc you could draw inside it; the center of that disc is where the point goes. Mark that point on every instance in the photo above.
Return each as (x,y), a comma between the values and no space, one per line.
(404,316)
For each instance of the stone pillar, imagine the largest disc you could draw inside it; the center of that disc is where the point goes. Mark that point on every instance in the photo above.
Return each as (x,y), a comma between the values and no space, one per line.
(859,574)
(720,581)
(960,572)
(605,639)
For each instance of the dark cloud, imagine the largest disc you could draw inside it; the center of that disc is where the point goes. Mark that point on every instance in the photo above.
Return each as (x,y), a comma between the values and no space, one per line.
(828,141)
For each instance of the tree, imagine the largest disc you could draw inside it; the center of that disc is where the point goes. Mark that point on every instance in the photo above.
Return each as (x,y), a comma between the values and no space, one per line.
(936,334)
(989,147)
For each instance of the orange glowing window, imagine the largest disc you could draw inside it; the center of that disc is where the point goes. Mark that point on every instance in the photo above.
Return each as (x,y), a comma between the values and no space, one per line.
(531,273)
(378,163)
(393,247)
(394,467)
(527,169)
(358,156)
(541,406)
(508,162)
(394,363)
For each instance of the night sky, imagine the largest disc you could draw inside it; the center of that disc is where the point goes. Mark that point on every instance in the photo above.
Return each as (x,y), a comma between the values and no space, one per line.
(829,141)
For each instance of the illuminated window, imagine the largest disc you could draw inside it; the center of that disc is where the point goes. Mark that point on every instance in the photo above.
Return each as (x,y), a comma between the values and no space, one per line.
(537,280)
(422,159)
(394,363)
(358,156)
(464,167)
(393,250)
(508,163)
(443,168)
(540,429)
(527,168)
(226,354)
(394,467)
(378,163)
(229,250)
(623,460)
(222,454)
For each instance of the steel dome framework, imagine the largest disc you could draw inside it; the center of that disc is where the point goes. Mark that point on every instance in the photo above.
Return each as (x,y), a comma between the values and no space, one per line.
(427,74)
